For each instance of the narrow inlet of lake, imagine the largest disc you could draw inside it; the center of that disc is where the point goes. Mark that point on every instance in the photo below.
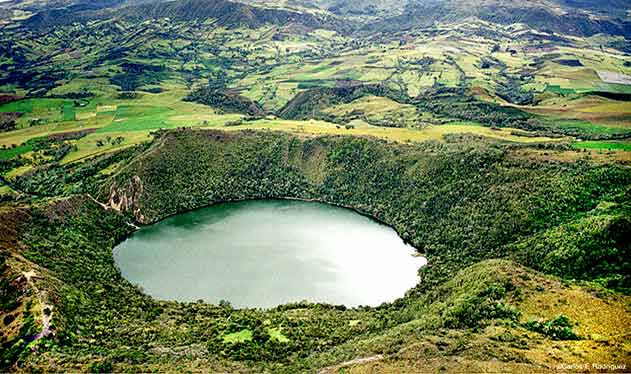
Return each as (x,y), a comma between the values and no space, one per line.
(263,253)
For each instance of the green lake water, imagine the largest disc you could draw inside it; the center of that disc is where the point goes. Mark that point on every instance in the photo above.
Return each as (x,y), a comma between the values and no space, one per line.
(264,253)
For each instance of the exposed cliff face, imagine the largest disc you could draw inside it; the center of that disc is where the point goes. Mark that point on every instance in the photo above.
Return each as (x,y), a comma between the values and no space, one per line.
(127,198)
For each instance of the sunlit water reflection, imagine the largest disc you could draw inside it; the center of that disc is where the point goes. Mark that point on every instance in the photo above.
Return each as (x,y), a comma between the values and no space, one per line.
(268,252)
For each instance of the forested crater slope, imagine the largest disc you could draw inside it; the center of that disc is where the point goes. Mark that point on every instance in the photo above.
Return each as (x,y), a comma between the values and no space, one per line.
(484,218)
(460,202)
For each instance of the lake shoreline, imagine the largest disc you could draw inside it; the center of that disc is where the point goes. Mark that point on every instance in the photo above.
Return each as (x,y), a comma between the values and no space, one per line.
(315,251)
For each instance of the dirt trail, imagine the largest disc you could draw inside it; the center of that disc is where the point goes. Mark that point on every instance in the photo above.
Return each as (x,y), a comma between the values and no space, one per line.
(357,361)
(46,317)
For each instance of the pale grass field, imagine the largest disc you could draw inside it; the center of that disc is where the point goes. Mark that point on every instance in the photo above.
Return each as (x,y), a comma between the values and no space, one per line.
(393,134)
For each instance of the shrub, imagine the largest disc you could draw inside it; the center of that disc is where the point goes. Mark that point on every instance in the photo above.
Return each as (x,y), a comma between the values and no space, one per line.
(559,328)
(101,367)
(477,310)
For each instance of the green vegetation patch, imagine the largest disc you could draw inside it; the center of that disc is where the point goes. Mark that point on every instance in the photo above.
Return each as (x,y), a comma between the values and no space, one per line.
(9,153)
(135,75)
(32,105)
(68,112)
(230,102)
(68,179)
(604,145)
(472,309)
(311,103)
(277,335)
(455,104)
(590,247)
(555,88)
(581,129)
(138,117)
(559,328)
(242,336)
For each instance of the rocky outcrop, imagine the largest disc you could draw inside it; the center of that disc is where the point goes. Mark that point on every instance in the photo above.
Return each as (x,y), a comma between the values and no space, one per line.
(127,199)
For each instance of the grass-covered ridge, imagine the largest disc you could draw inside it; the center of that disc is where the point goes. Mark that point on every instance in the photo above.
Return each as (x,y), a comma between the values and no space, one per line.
(463,204)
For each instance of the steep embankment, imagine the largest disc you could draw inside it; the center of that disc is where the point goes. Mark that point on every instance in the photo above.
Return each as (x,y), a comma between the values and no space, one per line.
(462,203)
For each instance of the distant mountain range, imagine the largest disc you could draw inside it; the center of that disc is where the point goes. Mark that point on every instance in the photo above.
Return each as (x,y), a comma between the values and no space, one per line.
(225,13)
(587,19)
(574,17)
